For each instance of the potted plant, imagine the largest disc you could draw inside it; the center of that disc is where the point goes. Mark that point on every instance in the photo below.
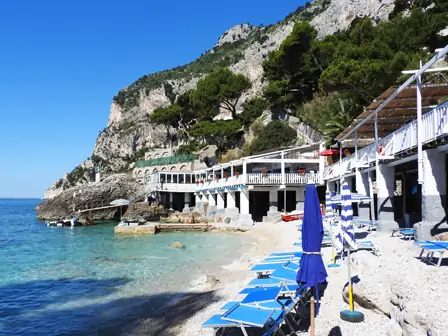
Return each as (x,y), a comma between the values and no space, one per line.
(236,173)
(346,152)
(217,177)
(226,176)
(301,171)
(264,172)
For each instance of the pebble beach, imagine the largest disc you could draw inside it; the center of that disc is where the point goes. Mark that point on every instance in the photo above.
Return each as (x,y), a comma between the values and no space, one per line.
(398,293)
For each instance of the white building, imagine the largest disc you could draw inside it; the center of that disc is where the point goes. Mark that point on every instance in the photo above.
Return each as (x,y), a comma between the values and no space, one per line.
(250,186)
(404,167)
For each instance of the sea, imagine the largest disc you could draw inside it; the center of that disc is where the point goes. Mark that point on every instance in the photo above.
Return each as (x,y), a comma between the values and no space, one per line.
(89,281)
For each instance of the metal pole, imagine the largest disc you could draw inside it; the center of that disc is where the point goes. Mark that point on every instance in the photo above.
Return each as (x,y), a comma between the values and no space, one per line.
(312,313)
(419,128)
(340,165)
(350,288)
(284,199)
(376,162)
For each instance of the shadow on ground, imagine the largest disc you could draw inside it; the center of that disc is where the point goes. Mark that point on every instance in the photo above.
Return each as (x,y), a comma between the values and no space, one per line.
(90,307)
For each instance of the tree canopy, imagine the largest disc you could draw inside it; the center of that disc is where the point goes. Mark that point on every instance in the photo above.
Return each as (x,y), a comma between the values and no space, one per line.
(252,109)
(222,133)
(219,89)
(275,135)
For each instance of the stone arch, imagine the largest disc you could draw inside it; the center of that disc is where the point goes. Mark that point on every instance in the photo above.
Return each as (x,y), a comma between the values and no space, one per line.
(164,168)
(165,154)
(147,172)
(155,170)
(156,156)
(149,157)
(173,168)
(183,167)
(139,173)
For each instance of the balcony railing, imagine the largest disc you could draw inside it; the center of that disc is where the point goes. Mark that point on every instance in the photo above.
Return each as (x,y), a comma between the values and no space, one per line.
(276,179)
(405,138)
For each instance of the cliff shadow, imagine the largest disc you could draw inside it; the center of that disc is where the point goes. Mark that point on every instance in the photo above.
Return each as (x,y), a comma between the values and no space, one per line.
(96,311)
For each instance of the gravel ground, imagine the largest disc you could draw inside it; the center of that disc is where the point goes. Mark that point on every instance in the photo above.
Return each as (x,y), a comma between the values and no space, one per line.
(398,293)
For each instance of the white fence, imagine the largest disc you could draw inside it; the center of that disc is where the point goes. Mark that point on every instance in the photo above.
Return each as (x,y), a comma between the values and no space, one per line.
(276,179)
(405,138)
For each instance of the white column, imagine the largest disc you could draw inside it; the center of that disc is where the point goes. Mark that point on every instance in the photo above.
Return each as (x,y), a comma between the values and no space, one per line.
(231,170)
(244,201)
(244,172)
(385,183)
(434,190)
(231,199)
(211,199)
(171,200)
(220,200)
(419,129)
(273,198)
(362,187)
(300,198)
(197,198)
(187,199)
(321,163)
(283,168)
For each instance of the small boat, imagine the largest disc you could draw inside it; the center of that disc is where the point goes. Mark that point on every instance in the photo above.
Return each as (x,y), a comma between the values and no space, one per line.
(297,214)
(292,216)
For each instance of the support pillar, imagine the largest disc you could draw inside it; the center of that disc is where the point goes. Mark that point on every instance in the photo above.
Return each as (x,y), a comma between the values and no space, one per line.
(244,201)
(187,201)
(300,199)
(362,187)
(245,218)
(434,209)
(220,200)
(385,183)
(273,199)
(197,198)
(231,212)
(231,199)
(171,200)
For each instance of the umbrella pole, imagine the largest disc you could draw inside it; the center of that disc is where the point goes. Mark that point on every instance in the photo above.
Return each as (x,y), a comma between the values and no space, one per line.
(312,313)
(350,288)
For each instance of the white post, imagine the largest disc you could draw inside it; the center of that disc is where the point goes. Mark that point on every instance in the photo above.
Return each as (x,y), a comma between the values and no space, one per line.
(244,201)
(283,168)
(376,163)
(231,170)
(419,129)
(356,150)
(340,164)
(245,171)
(321,164)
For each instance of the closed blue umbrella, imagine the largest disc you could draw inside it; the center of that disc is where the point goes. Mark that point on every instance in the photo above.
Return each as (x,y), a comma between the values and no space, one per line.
(330,217)
(347,240)
(312,270)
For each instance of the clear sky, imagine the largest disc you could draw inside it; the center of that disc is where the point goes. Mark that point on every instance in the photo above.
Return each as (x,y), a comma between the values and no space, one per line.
(61,62)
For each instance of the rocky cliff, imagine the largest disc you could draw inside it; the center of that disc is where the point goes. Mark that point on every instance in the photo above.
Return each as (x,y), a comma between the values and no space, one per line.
(242,48)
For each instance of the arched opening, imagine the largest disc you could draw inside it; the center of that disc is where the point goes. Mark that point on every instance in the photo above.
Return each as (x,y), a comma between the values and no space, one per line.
(182,168)
(139,173)
(154,170)
(165,154)
(156,156)
(173,168)
(147,172)
(164,168)
(149,157)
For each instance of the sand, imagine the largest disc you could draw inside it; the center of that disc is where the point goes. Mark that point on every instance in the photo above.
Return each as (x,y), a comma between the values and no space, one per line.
(405,296)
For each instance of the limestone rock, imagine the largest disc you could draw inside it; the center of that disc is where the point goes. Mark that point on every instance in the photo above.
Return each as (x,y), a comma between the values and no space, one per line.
(93,195)
(235,34)
(177,245)
(208,155)
(146,229)
(143,212)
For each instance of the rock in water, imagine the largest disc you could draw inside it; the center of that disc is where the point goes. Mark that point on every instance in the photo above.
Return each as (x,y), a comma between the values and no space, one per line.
(177,245)
(93,195)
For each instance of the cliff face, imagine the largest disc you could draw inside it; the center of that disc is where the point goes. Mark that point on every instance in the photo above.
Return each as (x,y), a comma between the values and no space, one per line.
(242,48)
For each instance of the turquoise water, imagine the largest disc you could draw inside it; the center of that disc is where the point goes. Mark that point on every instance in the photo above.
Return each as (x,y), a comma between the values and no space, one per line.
(86,280)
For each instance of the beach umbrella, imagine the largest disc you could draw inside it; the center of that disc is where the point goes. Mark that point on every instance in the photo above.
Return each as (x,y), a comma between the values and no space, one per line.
(312,270)
(329,152)
(120,202)
(348,241)
(330,217)
(355,198)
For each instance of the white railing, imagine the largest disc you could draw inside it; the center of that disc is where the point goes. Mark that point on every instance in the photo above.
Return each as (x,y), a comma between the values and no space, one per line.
(405,138)
(276,179)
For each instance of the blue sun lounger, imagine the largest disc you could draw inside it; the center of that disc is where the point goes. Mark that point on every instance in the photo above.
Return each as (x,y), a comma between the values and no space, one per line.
(266,268)
(288,289)
(268,282)
(431,248)
(407,234)
(244,316)
(278,259)
(284,275)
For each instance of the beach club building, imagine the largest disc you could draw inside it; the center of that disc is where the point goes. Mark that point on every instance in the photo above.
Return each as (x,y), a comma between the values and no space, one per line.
(396,152)
(250,186)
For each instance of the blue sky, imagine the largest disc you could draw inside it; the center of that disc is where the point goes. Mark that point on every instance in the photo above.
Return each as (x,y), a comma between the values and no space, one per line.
(61,62)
